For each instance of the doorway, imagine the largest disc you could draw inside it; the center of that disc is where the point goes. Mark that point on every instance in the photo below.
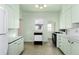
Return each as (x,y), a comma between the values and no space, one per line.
(50,29)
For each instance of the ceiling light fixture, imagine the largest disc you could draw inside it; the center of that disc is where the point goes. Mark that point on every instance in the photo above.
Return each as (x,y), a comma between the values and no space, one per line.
(41,6)
(37,6)
(45,5)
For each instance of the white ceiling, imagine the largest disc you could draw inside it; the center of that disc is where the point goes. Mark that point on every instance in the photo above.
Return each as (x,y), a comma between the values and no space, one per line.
(49,8)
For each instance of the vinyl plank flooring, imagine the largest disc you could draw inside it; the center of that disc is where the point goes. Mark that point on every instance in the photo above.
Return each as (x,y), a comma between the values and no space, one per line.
(45,49)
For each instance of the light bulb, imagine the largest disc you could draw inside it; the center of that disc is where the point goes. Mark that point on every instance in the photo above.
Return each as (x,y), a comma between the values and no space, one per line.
(36,6)
(45,5)
(1,8)
(41,7)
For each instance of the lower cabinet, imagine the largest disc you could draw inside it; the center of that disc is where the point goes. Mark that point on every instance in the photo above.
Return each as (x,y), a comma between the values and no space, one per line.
(68,47)
(65,46)
(16,47)
(75,48)
(62,45)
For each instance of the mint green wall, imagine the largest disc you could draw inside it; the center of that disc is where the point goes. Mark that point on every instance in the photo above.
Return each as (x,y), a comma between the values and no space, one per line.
(28,19)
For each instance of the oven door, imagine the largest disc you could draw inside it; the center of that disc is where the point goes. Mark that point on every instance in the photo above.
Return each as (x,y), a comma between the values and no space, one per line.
(54,37)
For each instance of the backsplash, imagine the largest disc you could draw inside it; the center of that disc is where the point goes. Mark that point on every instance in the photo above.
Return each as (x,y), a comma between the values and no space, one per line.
(73,31)
(75,25)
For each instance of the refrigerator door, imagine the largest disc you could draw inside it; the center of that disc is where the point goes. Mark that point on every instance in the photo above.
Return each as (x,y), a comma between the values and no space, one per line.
(3,44)
(2,21)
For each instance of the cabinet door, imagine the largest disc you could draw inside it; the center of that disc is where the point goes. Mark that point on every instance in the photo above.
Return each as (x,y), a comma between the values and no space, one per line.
(66,7)
(75,13)
(68,19)
(16,16)
(62,44)
(65,17)
(65,46)
(62,20)
(13,16)
(75,48)
(10,16)
(12,50)
(20,45)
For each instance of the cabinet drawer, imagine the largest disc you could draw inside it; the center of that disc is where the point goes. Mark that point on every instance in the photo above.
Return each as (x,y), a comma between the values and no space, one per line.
(12,50)
(16,47)
(21,45)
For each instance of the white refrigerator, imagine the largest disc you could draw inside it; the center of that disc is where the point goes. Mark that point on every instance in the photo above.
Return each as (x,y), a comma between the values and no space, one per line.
(3,32)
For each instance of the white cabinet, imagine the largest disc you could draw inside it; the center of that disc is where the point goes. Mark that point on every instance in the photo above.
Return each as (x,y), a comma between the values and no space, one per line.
(68,46)
(62,19)
(68,18)
(20,45)
(66,7)
(75,48)
(65,45)
(13,15)
(12,48)
(69,14)
(16,47)
(65,17)
(75,13)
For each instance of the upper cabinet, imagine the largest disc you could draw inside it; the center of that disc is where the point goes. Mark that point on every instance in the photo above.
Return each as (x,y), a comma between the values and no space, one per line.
(62,20)
(69,15)
(13,16)
(65,7)
(65,17)
(75,13)
(68,18)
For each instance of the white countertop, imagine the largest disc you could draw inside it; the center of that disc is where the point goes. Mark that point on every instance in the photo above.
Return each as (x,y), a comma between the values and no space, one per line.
(73,38)
(13,38)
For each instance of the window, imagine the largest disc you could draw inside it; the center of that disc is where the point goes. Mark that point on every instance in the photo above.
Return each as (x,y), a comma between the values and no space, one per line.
(49,27)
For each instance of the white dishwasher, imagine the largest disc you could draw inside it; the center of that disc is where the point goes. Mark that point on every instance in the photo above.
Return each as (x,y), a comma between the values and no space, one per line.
(38,38)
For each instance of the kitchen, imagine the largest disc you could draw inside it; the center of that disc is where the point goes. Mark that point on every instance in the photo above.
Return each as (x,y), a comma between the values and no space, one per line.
(28,29)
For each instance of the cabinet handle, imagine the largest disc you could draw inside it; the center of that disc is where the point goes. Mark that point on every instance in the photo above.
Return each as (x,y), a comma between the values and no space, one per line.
(68,41)
(72,42)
